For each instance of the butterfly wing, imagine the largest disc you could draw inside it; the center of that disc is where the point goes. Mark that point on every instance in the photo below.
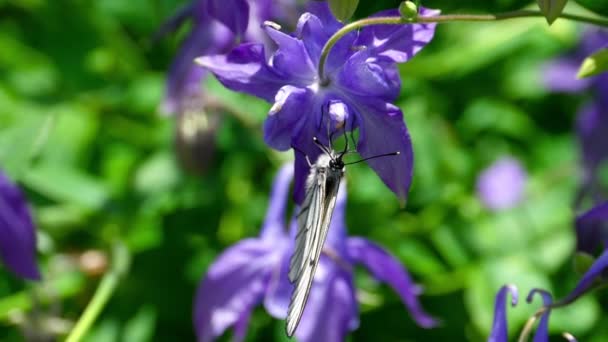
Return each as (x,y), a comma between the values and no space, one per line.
(313,224)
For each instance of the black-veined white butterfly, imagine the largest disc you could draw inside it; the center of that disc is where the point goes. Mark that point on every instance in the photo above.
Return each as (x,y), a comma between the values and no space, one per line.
(322,187)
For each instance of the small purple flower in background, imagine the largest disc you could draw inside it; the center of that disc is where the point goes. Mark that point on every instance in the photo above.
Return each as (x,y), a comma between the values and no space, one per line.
(17,232)
(592,121)
(361,82)
(255,271)
(501,186)
(217,26)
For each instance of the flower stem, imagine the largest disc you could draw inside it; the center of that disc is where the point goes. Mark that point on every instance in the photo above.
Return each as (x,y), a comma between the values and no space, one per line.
(439,19)
(109,282)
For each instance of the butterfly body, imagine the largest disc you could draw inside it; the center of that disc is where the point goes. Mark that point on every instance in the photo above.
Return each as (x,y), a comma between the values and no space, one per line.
(322,187)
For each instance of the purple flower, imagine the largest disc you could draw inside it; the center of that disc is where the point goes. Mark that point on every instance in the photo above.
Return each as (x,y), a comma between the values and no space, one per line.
(597,273)
(17,232)
(500,327)
(592,229)
(216,27)
(501,186)
(361,83)
(255,271)
(592,121)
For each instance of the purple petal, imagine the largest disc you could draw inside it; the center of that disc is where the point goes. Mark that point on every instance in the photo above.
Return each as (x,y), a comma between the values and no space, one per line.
(542,331)
(276,222)
(232,13)
(337,234)
(388,269)
(316,27)
(592,229)
(331,311)
(560,75)
(398,42)
(289,110)
(245,70)
(291,58)
(500,327)
(501,186)
(377,78)
(597,270)
(592,130)
(241,325)
(278,294)
(234,284)
(185,77)
(17,232)
(382,130)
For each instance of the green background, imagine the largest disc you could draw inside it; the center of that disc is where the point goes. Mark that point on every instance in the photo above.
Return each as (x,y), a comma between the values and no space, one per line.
(80,85)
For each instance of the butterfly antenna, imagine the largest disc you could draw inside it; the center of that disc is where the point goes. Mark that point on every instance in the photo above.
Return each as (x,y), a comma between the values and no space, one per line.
(345,146)
(374,157)
(321,146)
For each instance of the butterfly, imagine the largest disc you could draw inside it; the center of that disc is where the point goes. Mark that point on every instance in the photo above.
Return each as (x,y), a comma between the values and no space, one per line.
(313,221)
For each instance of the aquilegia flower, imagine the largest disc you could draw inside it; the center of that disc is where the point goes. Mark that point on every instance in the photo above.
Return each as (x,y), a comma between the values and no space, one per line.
(500,331)
(592,122)
(501,186)
(592,231)
(17,232)
(255,271)
(217,26)
(360,83)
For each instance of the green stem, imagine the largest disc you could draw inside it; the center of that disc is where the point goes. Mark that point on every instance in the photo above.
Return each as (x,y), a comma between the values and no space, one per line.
(109,282)
(437,19)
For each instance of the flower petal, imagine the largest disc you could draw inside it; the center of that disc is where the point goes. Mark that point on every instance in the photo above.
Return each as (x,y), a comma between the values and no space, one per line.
(276,222)
(592,229)
(245,70)
(331,311)
(397,42)
(542,331)
(501,186)
(382,130)
(232,13)
(387,268)
(597,270)
(560,75)
(500,331)
(233,285)
(374,77)
(290,109)
(316,27)
(291,58)
(278,294)
(17,232)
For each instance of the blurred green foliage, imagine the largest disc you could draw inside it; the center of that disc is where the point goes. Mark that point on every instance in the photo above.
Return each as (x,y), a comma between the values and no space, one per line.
(80,84)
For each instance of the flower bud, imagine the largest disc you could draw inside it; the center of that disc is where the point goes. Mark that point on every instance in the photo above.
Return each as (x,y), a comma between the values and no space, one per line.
(408,10)
(552,9)
(343,9)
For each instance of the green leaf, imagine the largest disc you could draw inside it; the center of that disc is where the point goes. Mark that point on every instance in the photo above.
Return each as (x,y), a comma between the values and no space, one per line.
(343,9)
(595,64)
(552,9)
(141,327)
(597,6)
(68,185)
